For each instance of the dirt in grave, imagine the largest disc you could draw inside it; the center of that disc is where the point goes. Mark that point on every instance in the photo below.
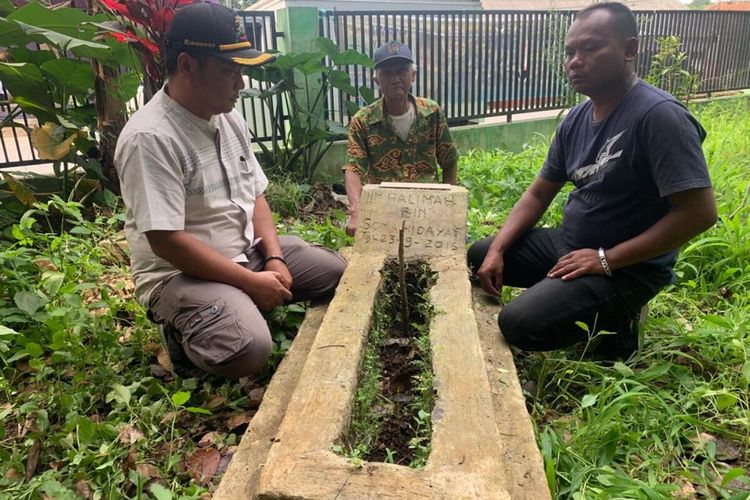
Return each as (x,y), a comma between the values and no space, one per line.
(405,382)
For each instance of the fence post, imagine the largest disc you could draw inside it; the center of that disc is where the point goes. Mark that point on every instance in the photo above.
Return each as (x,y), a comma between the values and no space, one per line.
(300,27)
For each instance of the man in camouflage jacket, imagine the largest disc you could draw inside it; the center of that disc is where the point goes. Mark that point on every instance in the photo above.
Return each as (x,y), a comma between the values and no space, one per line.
(399,137)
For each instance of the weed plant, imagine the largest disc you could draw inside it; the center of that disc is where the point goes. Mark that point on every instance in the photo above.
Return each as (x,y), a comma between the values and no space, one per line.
(674,422)
(366,437)
(84,414)
(85,411)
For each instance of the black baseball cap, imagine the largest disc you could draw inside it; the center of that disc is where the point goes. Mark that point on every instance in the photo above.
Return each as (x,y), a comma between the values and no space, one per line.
(390,51)
(211,28)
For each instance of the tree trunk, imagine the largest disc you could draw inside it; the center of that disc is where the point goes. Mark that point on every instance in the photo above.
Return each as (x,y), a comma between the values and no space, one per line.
(111,119)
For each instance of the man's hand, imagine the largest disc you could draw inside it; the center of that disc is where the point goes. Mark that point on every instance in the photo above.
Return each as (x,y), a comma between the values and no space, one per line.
(280,268)
(577,263)
(491,272)
(351,223)
(267,290)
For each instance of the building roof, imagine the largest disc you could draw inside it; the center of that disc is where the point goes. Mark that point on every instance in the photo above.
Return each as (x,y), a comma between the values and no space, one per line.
(734,6)
(577,4)
(386,5)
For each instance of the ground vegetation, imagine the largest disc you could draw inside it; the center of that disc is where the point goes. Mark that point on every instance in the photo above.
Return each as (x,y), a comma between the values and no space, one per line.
(88,410)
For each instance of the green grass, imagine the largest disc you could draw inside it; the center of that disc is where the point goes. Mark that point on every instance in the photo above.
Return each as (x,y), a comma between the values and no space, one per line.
(633,431)
(83,411)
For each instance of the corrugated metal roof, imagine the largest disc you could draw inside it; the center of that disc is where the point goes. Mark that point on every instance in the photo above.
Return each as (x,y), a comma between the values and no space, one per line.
(577,4)
(732,6)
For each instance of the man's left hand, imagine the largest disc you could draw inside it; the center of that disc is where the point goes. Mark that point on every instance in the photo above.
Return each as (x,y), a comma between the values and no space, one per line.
(577,263)
(279,267)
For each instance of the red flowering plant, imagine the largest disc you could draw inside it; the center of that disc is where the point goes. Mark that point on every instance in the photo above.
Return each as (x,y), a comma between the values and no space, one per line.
(143,24)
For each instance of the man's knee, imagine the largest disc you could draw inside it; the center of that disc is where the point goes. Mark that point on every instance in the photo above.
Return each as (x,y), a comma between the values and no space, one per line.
(250,359)
(476,253)
(518,326)
(316,270)
(227,336)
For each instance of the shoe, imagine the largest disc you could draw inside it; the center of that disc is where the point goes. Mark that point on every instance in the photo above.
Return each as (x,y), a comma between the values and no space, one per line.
(181,364)
(620,346)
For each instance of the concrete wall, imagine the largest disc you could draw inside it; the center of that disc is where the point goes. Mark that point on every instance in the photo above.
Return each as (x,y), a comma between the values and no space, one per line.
(507,136)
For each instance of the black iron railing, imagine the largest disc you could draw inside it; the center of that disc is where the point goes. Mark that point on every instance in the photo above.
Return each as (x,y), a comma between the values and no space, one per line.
(15,144)
(480,64)
(260,27)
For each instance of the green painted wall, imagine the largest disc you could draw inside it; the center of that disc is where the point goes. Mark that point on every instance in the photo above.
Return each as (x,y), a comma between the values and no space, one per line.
(300,28)
(507,136)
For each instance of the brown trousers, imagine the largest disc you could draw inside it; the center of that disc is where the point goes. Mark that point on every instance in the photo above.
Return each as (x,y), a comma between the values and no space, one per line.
(223,332)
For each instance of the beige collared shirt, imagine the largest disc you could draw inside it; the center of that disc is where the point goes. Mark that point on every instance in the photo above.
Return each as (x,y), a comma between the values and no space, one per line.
(180,172)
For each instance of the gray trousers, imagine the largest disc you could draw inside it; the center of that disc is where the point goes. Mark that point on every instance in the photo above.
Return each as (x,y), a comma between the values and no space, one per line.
(223,332)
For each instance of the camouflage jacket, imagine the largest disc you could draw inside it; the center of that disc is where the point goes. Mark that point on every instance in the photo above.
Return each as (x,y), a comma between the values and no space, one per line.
(376,152)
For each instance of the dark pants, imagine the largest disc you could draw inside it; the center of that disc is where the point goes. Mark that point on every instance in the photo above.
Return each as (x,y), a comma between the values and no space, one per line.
(544,316)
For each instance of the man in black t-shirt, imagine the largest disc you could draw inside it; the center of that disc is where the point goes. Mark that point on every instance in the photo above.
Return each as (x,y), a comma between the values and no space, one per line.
(642,189)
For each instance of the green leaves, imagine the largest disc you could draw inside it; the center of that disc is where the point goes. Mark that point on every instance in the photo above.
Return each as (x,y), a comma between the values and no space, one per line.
(27,85)
(303,81)
(180,398)
(589,400)
(29,302)
(70,77)
(119,393)
(67,20)
(349,57)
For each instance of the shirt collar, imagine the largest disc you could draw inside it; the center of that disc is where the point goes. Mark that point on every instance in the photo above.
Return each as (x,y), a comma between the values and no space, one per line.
(378,113)
(208,126)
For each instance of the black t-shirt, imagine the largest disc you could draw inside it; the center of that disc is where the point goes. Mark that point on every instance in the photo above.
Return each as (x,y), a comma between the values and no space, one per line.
(624,167)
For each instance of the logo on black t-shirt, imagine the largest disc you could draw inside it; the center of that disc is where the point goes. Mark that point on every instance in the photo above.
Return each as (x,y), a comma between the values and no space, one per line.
(603,157)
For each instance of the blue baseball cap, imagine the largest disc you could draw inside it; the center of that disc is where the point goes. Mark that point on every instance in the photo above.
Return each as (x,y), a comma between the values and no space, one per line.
(391,51)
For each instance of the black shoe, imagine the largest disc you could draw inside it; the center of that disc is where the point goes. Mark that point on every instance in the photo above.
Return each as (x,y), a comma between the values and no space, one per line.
(181,364)
(620,346)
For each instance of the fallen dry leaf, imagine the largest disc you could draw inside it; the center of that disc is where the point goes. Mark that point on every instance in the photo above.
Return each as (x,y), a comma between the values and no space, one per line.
(686,491)
(239,419)
(45,264)
(208,439)
(151,348)
(148,471)
(168,417)
(216,401)
(163,358)
(255,397)
(129,463)
(129,434)
(12,474)
(226,458)
(203,464)
(727,450)
(50,142)
(83,489)
(159,372)
(33,460)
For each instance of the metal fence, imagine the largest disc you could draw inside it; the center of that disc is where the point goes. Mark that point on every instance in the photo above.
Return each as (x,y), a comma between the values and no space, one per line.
(491,63)
(476,64)
(260,27)
(15,144)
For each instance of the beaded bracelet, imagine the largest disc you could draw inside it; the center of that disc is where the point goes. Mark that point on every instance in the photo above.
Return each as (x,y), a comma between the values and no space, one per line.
(274,257)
